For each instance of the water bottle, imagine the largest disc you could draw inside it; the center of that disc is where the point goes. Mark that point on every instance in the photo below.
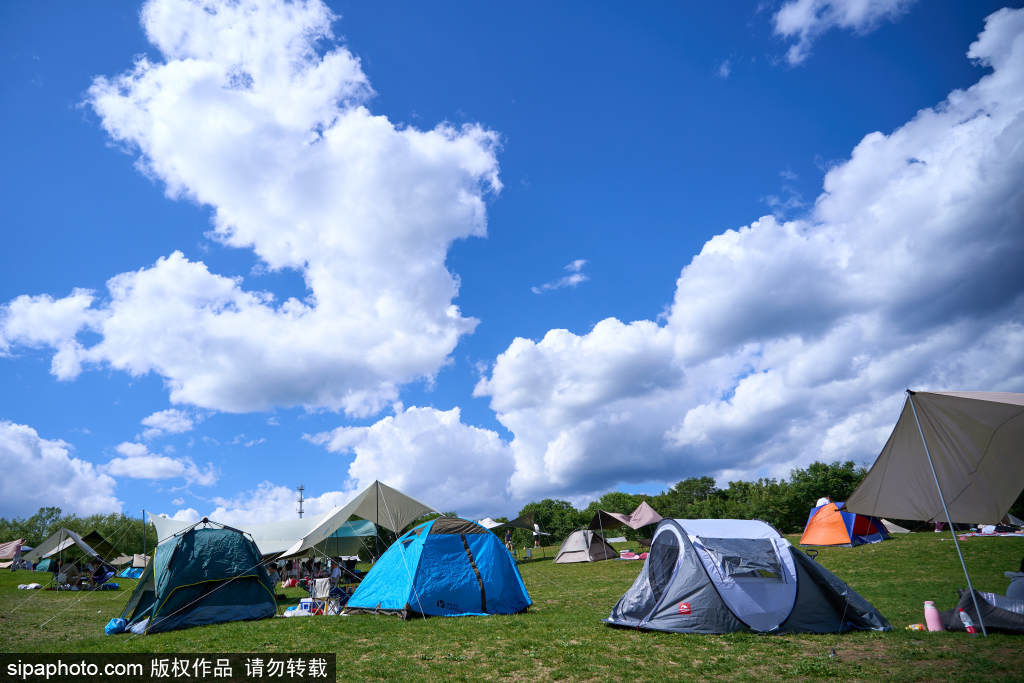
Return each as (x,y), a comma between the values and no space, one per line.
(968,624)
(931,617)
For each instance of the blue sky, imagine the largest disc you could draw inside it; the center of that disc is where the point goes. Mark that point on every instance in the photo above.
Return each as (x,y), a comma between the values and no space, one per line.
(682,240)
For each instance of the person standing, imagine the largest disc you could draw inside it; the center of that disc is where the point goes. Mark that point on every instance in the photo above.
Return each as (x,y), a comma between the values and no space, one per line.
(536,535)
(508,540)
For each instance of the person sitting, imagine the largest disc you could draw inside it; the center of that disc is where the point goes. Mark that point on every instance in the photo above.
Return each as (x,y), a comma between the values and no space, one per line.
(335,574)
(272,573)
(1016,589)
(97,572)
(69,574)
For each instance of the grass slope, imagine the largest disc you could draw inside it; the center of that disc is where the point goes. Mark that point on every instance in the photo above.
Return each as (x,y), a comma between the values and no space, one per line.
(562,636)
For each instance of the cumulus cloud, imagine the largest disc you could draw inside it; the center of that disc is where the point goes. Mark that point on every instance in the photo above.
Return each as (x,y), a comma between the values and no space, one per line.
(254,110)
(186,515)
(40,472)
(806,20)
(791,341)
(137,462)
(574,278)
(170,421)
(270,502)
(431,455)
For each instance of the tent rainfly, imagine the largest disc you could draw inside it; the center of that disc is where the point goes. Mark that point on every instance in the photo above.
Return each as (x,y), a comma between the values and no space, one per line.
(953,456)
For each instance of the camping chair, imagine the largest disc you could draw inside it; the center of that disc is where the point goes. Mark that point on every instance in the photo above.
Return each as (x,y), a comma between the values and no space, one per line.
(325,598)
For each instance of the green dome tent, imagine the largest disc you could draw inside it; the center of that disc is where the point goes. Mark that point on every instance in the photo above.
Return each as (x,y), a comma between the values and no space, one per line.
(201,576)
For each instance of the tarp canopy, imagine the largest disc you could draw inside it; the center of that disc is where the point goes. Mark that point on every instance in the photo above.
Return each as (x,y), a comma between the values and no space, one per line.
(104,548)
(522,522)
(133,561)
(643,515)
(379,503)
(273,538)
(10,549)
(976,440)
(63,539)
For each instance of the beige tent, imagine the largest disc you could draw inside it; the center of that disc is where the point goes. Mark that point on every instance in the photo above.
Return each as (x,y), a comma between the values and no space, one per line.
(585,546)
(953,456)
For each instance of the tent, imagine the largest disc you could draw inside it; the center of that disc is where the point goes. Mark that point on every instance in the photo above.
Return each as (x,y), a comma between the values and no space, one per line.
(952,456)
(10,549)
(830,524)
(46,565)
(61,540)
(521,522)
(378,504)
(643,515)
(585,545)
(724,575)
(204,575)
(445,567)
(893,528)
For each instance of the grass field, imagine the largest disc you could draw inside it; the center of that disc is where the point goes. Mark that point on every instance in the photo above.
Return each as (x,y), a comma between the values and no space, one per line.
(562,636)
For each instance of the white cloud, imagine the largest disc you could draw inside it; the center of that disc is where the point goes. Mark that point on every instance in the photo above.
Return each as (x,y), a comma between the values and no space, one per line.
(186,515)
(40,472)
(246,112)
(178,501)
(170,421)
(431,455)
(806,20)
(725,68)
(139,463)
(574,278)
(270,503)
(789,342)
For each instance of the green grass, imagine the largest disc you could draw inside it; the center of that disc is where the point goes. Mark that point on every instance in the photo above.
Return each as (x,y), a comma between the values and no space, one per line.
(562,636)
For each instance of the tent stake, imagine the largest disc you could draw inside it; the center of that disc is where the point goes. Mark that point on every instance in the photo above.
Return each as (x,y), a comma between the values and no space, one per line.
(952,529)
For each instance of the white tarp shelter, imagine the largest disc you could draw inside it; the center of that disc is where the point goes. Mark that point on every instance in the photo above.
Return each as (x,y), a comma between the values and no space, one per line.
(976,442)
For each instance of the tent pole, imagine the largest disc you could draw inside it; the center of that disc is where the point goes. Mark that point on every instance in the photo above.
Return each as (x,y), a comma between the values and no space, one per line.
(376,525)
(952,530)
(143,531)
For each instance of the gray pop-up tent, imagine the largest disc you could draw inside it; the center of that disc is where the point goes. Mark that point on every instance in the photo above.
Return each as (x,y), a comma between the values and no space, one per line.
(952,456)
(725,575)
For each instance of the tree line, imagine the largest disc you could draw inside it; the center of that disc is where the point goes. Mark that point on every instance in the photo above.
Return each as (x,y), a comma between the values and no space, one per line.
(124,533)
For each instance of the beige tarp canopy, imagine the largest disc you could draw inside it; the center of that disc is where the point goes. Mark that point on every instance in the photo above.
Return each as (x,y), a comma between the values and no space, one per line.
(976,441)
(523,522)
(63,539)
(10,549)
(379,503)
(136,561)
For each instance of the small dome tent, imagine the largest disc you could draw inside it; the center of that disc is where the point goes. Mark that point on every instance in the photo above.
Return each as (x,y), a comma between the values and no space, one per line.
(725,575)
(830,524)
(449,567)
(201,576)
(585,546)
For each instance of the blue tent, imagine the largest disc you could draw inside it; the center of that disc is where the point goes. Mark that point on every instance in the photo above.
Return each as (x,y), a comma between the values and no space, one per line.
(445,567)
(201,576)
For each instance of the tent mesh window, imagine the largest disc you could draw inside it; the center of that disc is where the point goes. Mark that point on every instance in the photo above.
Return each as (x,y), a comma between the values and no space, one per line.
(661,562)
(744,558)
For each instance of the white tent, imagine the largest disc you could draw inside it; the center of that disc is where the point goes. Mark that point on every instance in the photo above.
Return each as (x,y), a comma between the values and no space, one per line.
(585,546)
(953,456)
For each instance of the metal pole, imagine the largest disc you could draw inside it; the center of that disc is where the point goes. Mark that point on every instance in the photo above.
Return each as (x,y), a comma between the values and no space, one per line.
(376,523)
(143,531)
(949,521)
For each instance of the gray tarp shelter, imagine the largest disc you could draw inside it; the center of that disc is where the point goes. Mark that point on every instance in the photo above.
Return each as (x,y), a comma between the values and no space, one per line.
(952,456)
(725,575)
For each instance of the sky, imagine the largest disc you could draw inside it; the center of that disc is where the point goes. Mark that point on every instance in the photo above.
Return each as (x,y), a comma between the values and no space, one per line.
(492,254)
